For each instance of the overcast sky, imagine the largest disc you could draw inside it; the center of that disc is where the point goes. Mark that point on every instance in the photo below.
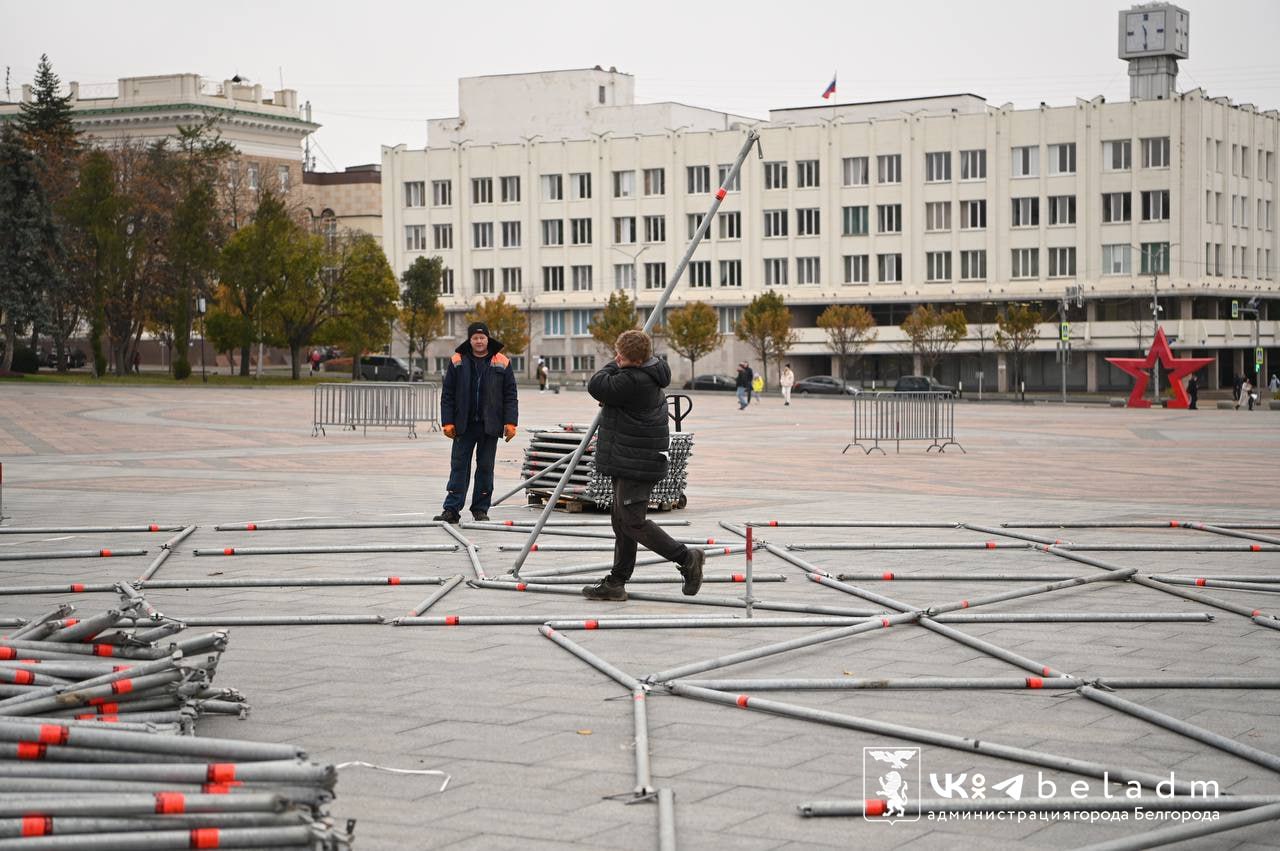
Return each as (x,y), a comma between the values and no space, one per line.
(375,71)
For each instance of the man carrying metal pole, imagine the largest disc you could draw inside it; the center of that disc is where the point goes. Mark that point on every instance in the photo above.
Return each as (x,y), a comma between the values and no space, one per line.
(632,448)
(752,138)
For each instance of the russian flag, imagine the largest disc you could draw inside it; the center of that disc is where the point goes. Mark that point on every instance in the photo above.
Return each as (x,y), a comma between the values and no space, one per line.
(831,89)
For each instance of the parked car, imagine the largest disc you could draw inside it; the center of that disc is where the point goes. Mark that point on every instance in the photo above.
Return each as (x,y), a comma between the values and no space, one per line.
(710,382)
(827,384)
(921,384)
(387,368)
(74,359)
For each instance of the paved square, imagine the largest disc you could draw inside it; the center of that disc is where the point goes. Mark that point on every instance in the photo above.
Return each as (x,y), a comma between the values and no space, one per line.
(535,739)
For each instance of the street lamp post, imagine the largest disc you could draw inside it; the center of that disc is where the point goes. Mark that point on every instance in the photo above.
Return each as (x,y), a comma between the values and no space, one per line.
(1154,257)
(200,309)
(635,270)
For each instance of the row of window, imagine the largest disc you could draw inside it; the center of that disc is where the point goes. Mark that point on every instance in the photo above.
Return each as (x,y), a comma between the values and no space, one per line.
(1215,160)
(1215,210)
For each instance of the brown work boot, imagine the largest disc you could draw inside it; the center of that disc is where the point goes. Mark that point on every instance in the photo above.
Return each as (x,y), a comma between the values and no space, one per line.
(692,572)
(606,589)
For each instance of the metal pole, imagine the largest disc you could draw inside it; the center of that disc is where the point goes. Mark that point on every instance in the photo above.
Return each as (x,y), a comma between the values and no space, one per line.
(366,548)
(1222,529)
(747,598)
(640,718)
(80,530)
(753,136)
(1002,683)
(610,670)
(666,820)
(166,549)
(432,599)
(1178,833)
(711,552)
(103,553)
(875,806)
(524,484)
(473,555)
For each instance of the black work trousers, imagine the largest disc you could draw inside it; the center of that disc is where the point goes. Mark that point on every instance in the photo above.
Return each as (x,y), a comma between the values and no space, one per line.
(632,528)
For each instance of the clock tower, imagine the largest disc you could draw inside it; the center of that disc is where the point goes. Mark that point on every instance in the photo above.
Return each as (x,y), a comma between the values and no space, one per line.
(1153,37)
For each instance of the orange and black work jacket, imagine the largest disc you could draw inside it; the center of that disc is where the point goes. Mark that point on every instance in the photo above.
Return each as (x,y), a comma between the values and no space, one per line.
(487,396)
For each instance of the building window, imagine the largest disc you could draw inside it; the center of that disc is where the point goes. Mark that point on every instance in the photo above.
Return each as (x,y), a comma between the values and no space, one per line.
(655,228)
(775,272)
(584,363)
(553,323)
(442,237)
(510,234)
(483,281)
(282,177)
(730,225)
(415,237)
(580,185)
(855,171)
(695,220)
(808,270)
(1062,158)
(1115,259)
(806,174)
(973,265)
(699,178)
(482,235)
(553,231)
(1155,206)
(1155,258)
(775,223)
(1026,213)
(889,218)
(730,273)
(1062,262)
(1062,210)
(734,185)
(889,168)
(973,164)
(580,231)
(937,167)
(510,188)
(624,276)
(555,363)
(581,276)
(553,279)
(729,318)
(1117,155)
(552,187)
(1244,161)
(1155,152)
(511,279)
(937,265)
(624,184)
(655,276)
(855,221)
(888,268)
(1026,263)
(700,273)
(775,175)
(482,190)
(442,365)
(624,229)
(253,175)
(973,214)
(441,193)
(415,193)
(655,181)
(1116,207)
(857,269)
(937,216)
(446,281)
(1026,161)
(808,221)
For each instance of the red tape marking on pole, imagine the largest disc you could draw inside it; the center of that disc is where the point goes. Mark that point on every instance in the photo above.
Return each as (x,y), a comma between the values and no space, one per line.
(1200,582)
(451,620)
(24,678)
(739,577)
(105,553)
(743,700)
(251,527)
(520,586)
(711,540)
(1257,548)
(221,772)
(37,825)
(884,622)
(53,734)
(104,650)
(153,528)
(170,803)
(229,551)
(205,837)
(1173,523)
(887,576)
(8,653)
(1035,682)
(66,622)
(393,580)
(728,551)
(964,604)
(534,548)
(773,522)
(873,807)
(991,545)
(508,522)
(1045,671)
(592,624)
(720,193)
(31,750)
(77,587)
(122,687)
(1256,613)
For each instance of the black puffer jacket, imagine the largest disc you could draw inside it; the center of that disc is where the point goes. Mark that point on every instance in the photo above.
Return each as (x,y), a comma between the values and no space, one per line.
(633,432)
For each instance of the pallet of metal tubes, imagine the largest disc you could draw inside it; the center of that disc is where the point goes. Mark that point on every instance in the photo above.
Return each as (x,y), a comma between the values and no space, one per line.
(587,486)
(97,739)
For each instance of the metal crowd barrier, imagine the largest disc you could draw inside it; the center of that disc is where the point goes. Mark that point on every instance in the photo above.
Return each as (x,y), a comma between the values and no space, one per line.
(904,416)
(390,405)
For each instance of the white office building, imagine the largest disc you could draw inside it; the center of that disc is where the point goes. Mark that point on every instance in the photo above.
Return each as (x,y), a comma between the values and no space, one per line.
(556,189)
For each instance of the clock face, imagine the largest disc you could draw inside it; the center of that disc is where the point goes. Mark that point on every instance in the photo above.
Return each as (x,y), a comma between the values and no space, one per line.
(1145,31)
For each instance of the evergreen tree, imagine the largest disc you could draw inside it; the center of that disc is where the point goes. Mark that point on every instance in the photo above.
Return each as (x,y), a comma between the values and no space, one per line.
(30,249)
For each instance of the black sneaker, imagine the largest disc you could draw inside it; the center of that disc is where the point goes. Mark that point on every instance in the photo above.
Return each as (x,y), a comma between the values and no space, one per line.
(480,516)
(448,516)
(606,589)
(692,572)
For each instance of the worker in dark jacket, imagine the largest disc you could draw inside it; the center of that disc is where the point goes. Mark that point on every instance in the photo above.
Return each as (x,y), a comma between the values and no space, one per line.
(477,406)
(632,448)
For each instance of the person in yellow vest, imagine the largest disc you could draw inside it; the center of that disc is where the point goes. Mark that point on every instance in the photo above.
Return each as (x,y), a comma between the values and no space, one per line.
(477,406)
(757,386)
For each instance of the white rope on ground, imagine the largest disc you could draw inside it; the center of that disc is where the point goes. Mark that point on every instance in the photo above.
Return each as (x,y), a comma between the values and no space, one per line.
(424,771)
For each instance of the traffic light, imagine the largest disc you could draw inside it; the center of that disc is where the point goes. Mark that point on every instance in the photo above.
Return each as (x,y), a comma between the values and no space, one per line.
(1235,308)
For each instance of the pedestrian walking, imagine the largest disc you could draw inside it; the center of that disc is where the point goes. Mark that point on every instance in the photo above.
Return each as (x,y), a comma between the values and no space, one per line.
(1273,385)
(757,387)
(137,362)
(1235,389)
(786,381)
(542,373)
(477,406)
(315,361)
(1246,396)
(1193,392)
(743,385)
(632,448)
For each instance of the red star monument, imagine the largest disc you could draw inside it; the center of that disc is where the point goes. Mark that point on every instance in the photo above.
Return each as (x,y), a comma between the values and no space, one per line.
(1177,370)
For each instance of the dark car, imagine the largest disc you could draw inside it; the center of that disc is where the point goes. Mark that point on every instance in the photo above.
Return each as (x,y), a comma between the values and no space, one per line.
(74,359)
(387,368)
(827,384)
(710,382)
(921,384)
